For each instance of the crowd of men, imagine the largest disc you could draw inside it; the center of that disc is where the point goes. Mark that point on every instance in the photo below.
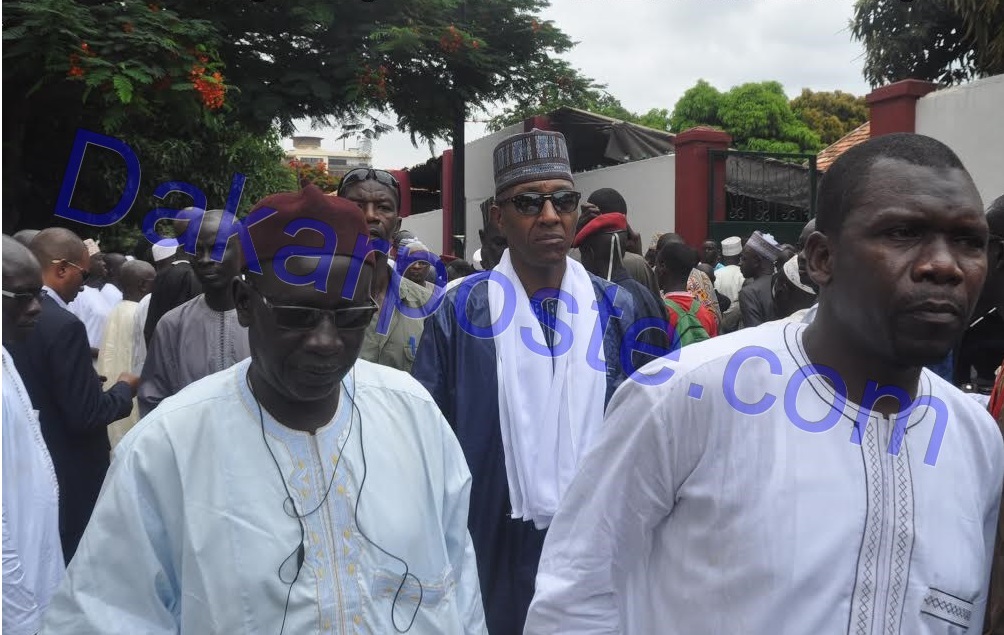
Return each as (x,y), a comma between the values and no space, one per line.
(311,425)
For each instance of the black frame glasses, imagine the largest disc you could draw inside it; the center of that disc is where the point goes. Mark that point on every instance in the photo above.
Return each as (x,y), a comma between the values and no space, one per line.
(84,273)
(306,318)
(25,296)
(532,203)
(359,175)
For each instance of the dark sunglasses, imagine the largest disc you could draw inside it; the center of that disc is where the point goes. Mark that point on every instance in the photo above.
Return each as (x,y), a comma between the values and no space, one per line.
(532,203)
(369,174)
(305,318)
(25,296)
(84,273)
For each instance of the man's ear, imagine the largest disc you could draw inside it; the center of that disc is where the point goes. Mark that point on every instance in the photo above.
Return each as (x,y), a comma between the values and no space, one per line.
(241,294)
(396,229)
(496,217)
(820,258)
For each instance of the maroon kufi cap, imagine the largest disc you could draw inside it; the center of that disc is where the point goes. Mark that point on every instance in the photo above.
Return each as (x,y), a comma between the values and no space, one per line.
(307,219)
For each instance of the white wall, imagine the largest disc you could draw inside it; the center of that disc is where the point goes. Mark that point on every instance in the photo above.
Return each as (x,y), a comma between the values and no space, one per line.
(428,227)
(648,188)
(479,181)
(970,120)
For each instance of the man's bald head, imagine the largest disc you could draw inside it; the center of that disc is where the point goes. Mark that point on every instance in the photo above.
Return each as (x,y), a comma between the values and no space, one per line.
(25,236)
(57,243)
(17,259)
(64,260)
(21,275)
(136,279)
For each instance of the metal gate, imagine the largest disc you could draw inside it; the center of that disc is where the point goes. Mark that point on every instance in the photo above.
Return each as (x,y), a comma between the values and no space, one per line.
(767,191)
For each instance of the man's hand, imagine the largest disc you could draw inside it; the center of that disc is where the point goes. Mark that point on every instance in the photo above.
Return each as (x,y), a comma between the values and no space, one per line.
(132,380)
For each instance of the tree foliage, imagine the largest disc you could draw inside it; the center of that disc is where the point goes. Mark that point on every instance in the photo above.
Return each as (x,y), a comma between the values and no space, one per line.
(831,115)
(945,41)
(758,116)
(316,173)
(204,89)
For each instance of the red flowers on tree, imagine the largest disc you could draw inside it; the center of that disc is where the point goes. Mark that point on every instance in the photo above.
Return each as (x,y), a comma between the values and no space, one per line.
(451,41)
(209,86)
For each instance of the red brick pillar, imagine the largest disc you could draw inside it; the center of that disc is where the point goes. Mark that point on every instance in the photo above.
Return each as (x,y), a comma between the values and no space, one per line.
(445,195)
(692,180)
(893,108)
(404,179)
(540,122)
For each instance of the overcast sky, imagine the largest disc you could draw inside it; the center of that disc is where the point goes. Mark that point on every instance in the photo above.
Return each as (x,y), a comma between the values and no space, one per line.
(648,52)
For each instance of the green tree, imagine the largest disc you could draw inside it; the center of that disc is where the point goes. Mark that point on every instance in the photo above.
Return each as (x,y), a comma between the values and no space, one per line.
(698,106)
(831,115)
(945,41)
(205,73)
(758,116)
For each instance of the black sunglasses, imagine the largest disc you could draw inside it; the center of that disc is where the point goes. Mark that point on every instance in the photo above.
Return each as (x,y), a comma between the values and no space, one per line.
(532,203)
(25,296)
(305,318)
(369,174)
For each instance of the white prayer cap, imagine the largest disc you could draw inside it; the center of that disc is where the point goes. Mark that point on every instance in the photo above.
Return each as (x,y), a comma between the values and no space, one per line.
(163,252)
(732,246)
(92,247)
(791,272)
(128,258)
(476,260)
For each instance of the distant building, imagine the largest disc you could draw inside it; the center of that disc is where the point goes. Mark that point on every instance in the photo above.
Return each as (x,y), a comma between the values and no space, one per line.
(339,162)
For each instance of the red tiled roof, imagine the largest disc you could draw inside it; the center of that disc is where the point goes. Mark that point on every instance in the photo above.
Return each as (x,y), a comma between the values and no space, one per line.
(829,154)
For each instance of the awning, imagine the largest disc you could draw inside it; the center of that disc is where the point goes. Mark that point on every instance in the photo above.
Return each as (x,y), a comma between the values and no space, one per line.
(595,141)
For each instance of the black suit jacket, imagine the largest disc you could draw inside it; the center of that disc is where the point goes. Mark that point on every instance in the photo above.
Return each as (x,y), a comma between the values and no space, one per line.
(56,367)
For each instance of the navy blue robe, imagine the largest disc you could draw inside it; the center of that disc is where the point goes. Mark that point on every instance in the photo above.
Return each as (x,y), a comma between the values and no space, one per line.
(458,369)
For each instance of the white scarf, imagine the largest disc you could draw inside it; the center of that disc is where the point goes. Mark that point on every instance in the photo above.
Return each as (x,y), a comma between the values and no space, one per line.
(549,410)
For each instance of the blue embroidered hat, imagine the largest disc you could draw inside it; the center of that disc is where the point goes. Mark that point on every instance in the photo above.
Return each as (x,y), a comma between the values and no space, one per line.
(537,155)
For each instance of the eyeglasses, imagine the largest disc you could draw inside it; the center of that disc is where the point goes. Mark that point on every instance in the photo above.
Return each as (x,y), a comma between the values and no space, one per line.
(25,296)
(305,318)
(84,273)
(532,203)
(369,174)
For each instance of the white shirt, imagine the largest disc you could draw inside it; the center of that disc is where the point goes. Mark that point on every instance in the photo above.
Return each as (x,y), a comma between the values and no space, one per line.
(111,294)
(138,338)
(92,307)
(189,534)
(728,281)
(691,518)
(32,554)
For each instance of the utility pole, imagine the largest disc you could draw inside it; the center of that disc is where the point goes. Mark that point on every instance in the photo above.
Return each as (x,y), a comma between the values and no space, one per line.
(458,195)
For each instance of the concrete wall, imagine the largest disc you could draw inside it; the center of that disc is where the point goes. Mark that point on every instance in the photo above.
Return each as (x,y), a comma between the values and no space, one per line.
(428,227)
(648,188)
(479,181)
(970,120)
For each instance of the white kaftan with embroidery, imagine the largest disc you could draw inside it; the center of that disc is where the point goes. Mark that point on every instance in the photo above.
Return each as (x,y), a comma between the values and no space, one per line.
(190,532)
(691,517)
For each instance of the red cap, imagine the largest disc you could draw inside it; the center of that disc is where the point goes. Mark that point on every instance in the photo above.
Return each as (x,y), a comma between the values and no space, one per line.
(602,224)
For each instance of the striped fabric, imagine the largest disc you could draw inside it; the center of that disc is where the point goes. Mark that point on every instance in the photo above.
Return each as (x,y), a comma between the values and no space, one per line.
(531,156)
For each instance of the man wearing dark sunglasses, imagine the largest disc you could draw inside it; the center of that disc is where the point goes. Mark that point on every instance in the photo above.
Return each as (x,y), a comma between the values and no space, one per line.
(391,338)
(526,397)
(301,491)
(203,335)
(56,365)
(33,556)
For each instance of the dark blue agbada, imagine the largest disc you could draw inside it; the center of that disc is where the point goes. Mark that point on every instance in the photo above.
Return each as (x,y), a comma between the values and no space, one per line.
(459,370)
